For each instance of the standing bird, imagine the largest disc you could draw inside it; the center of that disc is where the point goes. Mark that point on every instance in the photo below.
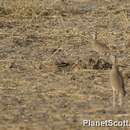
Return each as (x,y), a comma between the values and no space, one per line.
(116,81)
(98,46)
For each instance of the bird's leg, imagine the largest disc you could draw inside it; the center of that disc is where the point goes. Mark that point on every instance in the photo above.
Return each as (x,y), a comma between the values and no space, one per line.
(100,56)
(120,99)
(114,98)
(107,55)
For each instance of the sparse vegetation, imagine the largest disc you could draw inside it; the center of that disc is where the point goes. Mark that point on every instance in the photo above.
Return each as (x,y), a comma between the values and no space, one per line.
(50,78)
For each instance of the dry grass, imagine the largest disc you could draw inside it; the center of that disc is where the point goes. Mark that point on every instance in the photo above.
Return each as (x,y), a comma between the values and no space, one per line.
(50,78)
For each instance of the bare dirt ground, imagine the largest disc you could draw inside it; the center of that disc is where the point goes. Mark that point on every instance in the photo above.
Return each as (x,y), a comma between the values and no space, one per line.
(50,78)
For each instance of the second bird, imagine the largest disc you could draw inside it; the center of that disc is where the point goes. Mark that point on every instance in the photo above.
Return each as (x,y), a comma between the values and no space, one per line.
(98,46)
(117,82)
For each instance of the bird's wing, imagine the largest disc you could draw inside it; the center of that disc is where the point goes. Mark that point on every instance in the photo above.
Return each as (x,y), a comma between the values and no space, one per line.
(121,82)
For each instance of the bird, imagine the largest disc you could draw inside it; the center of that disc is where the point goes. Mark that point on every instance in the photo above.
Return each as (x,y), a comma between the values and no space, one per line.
(98,46)
(116,81)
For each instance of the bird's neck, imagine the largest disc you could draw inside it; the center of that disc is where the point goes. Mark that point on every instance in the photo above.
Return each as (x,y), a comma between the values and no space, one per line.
(115,67)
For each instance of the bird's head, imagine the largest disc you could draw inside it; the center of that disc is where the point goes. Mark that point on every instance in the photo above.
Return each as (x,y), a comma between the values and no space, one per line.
(113,59)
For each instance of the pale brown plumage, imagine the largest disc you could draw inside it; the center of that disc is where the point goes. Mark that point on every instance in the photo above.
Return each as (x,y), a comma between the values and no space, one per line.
(99,47)
(116,81)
